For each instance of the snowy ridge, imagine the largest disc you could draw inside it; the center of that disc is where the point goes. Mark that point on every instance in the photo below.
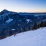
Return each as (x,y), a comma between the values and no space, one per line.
(29,38)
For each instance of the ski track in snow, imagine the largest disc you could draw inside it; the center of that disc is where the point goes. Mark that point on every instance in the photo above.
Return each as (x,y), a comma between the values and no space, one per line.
(29,38)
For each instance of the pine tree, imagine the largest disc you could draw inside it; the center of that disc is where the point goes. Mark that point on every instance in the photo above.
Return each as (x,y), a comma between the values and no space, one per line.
(42,24)
(35,26)
(10,33)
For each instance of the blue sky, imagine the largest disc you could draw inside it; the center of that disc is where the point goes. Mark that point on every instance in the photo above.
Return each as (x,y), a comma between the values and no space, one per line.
(23,5)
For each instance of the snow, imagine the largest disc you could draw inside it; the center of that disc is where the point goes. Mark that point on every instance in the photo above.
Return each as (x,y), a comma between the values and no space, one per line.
(28,20)
(29,38)
(9,20)
(13,29)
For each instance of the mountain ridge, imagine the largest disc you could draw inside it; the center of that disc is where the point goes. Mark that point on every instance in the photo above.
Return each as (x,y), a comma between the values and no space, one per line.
(20,22)
(24,12)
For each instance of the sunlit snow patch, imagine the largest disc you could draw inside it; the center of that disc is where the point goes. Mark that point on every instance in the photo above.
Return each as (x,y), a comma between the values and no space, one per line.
(9,20)
(28,20)
(13,29)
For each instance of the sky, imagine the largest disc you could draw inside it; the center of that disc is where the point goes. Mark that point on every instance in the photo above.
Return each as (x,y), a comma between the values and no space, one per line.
(23,5)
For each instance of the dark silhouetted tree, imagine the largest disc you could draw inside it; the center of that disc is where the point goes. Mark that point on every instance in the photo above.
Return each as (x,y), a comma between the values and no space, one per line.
(35,26)
(42,24)
(10,33)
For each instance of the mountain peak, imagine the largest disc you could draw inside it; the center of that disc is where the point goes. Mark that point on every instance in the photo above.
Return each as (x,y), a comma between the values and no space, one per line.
(4,10)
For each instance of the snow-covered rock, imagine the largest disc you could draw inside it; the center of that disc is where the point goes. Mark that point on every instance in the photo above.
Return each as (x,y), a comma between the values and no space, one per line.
(29,38)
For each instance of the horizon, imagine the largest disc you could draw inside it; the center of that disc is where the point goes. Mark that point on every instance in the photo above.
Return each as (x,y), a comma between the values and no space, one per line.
(22,12)
(28,6)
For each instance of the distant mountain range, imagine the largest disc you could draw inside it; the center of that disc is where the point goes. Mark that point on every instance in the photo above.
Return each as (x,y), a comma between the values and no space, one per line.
(13,22)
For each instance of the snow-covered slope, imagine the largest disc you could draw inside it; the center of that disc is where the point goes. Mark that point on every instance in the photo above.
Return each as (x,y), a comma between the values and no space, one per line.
(29,38)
